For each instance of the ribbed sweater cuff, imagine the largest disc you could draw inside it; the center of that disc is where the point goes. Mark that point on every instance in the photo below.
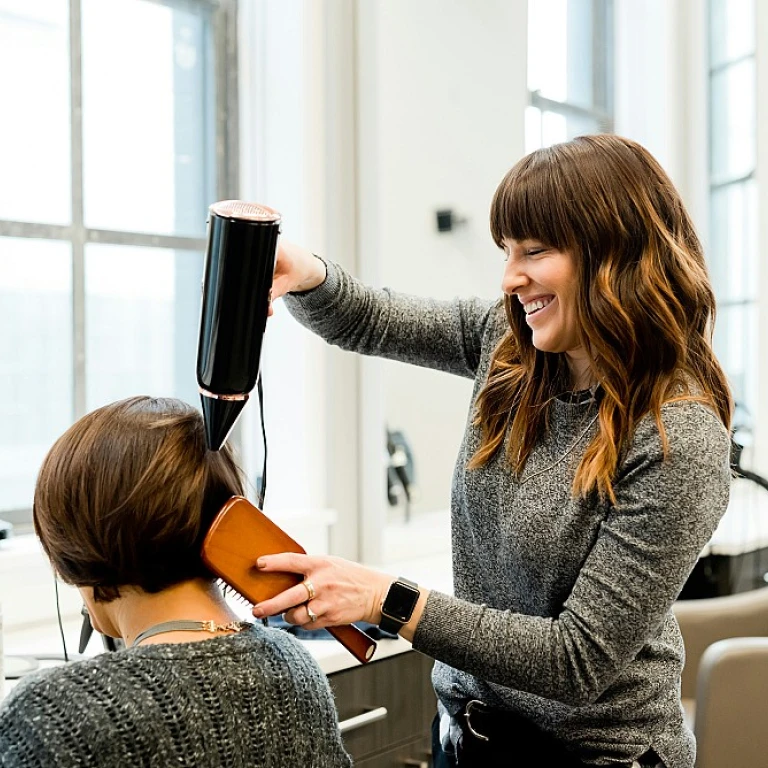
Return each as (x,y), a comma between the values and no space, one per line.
(319,297)
(447,622)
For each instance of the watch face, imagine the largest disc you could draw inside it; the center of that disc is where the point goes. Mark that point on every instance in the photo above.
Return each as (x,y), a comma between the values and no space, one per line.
(400,602)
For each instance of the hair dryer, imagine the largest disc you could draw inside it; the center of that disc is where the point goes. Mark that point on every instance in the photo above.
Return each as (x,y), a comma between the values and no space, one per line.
(239,264)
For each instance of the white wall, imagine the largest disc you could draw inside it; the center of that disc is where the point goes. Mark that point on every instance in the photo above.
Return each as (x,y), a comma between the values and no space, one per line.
(360,118)
(441,101)
(648,65)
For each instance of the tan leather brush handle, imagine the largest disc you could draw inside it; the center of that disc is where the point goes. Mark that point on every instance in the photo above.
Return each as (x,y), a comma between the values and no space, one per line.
(360,645)
(239,534)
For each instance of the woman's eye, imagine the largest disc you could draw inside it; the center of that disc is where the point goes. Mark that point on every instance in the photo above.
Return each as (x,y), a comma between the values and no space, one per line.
(535,251)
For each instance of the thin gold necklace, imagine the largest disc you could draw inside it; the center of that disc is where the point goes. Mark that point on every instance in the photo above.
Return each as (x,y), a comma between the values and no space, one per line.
(182,625)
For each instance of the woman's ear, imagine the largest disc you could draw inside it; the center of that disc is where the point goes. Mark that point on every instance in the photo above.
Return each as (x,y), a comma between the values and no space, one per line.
(98,613)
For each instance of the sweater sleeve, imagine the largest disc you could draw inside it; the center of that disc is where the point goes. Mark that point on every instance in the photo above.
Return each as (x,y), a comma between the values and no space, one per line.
(444,335)
(666,510)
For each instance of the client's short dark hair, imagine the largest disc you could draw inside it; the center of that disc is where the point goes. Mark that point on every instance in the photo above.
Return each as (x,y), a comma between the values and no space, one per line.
(126,495)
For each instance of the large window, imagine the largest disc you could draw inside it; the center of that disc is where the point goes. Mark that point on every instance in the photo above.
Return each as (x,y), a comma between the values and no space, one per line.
(116,136)
(570,70)
(733,191)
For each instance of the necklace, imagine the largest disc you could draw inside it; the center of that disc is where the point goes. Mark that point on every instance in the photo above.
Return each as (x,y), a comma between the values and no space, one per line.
(578,396)
(561,458)
(190,626)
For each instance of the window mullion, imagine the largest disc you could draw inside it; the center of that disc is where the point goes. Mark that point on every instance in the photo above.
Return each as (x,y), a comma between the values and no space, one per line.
(225,67)
(721,182)
(78,225)
(566,108)
(143,239)
(598,56)
(35,230)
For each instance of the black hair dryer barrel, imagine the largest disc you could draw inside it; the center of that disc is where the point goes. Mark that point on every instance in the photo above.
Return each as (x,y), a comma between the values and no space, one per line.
(239,266)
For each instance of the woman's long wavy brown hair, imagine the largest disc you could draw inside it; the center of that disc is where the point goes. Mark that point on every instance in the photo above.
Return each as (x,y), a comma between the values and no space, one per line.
(645,305)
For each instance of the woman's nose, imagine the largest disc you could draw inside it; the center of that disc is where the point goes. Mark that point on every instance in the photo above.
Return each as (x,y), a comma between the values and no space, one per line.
(513,279)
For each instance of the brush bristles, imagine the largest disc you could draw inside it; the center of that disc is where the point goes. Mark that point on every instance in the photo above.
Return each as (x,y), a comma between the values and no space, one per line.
(227,591)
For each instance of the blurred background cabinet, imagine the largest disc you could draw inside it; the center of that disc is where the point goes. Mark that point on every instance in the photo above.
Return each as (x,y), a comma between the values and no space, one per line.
(386,709)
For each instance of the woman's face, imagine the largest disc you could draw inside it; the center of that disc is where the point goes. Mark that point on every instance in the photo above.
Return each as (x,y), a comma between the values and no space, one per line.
(544,281)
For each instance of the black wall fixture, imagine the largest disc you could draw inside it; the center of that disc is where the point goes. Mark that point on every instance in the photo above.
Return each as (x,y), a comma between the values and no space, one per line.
(447,220)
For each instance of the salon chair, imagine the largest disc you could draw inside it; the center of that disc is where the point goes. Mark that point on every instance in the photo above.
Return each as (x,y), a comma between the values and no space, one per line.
(725,678)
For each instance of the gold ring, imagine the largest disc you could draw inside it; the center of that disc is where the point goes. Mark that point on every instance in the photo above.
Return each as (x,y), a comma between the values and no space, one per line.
(312,615)
(310,587)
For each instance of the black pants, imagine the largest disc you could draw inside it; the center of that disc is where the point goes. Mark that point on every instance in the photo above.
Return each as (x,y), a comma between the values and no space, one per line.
(497,753)
(502,754)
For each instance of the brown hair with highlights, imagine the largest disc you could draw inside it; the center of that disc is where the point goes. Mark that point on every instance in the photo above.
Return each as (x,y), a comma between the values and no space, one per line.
(126,495)
(645,305)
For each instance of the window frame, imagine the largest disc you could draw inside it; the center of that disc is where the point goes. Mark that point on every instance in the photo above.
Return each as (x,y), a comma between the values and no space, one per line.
(717,183)
(226,161)
(603,75)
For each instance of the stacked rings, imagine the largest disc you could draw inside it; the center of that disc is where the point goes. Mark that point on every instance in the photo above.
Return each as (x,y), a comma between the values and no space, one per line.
(310,587)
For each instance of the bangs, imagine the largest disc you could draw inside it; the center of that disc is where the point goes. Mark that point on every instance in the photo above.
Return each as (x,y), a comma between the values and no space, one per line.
(529,203)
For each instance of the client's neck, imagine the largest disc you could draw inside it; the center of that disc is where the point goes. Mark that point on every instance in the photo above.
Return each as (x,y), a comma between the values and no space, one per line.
(196,600)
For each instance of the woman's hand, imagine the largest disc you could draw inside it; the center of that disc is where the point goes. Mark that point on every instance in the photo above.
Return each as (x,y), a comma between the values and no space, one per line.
(296,269)
(344,591)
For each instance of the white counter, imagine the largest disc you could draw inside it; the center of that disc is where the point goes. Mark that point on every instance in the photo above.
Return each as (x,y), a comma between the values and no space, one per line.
(333,657)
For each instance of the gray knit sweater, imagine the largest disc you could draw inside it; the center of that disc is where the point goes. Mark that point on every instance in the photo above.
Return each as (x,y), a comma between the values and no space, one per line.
(562,607)
(253,699)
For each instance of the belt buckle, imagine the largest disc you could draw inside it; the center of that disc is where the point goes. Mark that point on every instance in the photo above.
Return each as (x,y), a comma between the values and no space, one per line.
(472,704)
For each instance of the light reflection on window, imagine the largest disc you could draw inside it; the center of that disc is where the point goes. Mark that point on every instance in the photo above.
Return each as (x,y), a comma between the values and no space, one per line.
(732,249)
(35,359)
(569,48)
(34,130)
(548,48)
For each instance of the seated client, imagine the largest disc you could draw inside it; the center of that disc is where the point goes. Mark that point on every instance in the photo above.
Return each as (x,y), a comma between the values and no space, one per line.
(122,504)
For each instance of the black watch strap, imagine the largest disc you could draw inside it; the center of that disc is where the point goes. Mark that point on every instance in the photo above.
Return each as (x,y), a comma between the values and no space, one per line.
(390,626)
(398,605)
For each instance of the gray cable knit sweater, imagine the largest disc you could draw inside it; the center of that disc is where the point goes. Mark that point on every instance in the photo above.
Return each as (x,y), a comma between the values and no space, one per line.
(257,698)
(562,607)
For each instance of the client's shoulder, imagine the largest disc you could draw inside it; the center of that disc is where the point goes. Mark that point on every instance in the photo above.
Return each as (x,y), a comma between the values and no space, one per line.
(50,690)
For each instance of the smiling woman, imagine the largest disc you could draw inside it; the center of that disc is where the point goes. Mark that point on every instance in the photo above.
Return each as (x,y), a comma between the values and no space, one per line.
(633,308)
(593,470)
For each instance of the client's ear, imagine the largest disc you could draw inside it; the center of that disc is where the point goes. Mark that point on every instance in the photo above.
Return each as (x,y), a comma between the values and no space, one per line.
(98,613)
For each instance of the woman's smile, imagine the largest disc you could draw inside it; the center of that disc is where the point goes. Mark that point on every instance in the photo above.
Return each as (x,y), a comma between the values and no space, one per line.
(539,310)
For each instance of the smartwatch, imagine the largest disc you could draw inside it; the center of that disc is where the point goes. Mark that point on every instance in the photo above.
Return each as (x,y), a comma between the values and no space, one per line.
(398,605)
